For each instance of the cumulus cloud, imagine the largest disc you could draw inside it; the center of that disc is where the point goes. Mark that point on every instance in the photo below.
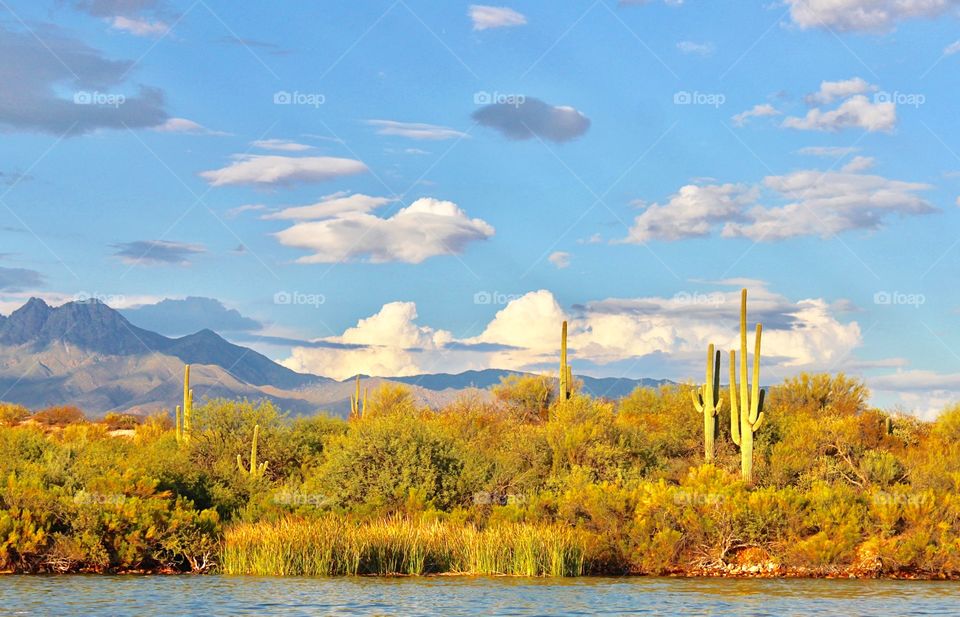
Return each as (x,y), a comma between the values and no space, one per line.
(389,343)
(529,117)
(815,203)
(426,228)
(53,83)
(831,91)
(757,111)
(487,17)
(864,15)
(415,130)
(692,212)
(176,317)
(524,335)
(829,203)
(925,392)
(157,252)
(855,112)
(275,169)
(560,259)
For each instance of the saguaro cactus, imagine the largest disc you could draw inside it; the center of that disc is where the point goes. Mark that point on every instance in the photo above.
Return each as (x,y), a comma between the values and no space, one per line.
(746,417)
(255,471)
(356,409)
(183,413)
(707,401)
(566,375)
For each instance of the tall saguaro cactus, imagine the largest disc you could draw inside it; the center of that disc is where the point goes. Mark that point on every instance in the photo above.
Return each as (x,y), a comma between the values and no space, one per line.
(707,401)
(747,416)
(255,471)
(183,414)
(566,375)
(356,409)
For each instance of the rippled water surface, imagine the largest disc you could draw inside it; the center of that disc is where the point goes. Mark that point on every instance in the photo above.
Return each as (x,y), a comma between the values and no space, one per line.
(69,596)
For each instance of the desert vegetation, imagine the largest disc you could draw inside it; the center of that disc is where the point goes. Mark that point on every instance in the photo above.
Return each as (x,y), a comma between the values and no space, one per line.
(523,484)
(537,479)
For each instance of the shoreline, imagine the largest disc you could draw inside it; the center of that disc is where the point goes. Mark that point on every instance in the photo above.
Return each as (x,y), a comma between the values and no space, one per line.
(732,572)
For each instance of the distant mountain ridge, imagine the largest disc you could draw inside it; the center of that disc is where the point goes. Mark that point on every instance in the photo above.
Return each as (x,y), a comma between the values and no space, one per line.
(90,355)
(94,326)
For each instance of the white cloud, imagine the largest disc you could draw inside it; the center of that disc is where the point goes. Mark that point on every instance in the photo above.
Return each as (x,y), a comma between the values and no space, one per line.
(560,259)
(925,392)
(817,204)
(338,204)
(831,91)
(139,26)
(828,151)
(692,212)
(864,15)
(182,125)
(829,203)
(692,47)
(952,48)
(487,17)
(855,112)
(282,145)
(859,163)
(415,130)
(275,169)
(757,111)
(378,345)
(426,228)
(524,335)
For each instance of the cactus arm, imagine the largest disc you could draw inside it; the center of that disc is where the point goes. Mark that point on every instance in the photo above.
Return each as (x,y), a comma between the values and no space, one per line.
(179,432)
(755,387)
(744,388)
(734,411)
(697,400)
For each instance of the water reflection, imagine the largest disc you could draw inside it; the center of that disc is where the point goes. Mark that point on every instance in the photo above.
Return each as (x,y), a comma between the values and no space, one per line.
(70,596)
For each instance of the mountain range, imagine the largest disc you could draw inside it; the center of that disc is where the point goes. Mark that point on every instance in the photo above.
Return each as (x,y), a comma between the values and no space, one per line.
(89,355)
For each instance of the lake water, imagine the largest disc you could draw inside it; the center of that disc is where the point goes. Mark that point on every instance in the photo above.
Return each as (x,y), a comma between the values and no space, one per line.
(69,596)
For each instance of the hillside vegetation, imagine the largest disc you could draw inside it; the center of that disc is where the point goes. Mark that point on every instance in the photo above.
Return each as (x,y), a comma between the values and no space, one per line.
(526,484)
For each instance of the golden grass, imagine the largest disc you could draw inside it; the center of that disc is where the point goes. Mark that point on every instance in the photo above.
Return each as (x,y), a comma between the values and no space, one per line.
(332,546)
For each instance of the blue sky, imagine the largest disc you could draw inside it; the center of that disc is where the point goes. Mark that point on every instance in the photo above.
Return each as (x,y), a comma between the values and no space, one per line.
(404,187)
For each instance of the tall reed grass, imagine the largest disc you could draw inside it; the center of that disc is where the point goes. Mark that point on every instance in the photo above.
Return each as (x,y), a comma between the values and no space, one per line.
(332,546)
